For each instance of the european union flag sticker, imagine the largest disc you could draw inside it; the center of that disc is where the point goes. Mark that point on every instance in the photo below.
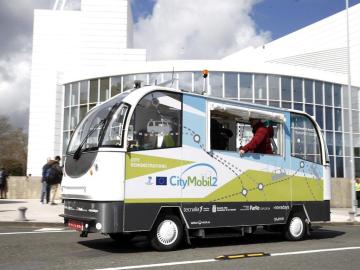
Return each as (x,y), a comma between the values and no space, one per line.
(161,180)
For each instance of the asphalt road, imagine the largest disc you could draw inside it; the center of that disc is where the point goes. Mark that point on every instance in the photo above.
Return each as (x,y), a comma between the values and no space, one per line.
(27,248)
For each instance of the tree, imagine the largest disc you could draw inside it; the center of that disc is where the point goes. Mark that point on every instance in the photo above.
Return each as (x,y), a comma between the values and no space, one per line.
(13,148)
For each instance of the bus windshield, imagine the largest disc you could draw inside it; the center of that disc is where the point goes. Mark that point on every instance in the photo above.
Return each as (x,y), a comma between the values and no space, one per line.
(88,132)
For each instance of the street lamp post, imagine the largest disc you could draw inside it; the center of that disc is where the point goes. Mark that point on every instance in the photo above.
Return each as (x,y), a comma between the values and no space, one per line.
(353,210)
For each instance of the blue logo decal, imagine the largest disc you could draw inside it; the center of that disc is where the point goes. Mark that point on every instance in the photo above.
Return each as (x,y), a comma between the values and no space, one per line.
(161,180)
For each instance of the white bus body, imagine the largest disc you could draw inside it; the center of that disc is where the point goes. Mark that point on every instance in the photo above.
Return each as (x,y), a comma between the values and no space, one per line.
(151,165)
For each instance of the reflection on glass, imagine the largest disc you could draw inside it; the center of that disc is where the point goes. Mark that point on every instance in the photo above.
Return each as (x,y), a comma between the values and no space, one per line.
(115,85)
(104,89)
(83,111)
(74,93)
(337,95)
(246,86)
(93,91)
(356,121)
(298,93)
(231,85)
(274,87)
(215,83)
(286,88)
(338,143)
(309,97)
(142,78)
(128,82)
(328,94)
(355,95)
(309,109)
(66,119)
(155,78)
(260,86)
(338,119)
(84,92)
(320,116)
(339,167)
(198,82)
(185,81)
(318,92)
(330,142)
(74,117)
(67,95)
(329,118)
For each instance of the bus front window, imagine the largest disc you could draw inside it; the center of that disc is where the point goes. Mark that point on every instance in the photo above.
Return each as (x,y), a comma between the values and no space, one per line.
(86,135)
(115,129)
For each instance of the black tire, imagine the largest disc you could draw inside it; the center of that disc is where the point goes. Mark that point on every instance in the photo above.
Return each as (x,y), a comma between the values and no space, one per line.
(295,228)
(167,233)
(121,237)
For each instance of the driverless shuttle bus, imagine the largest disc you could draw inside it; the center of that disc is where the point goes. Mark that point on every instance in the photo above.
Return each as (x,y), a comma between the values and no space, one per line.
(150,161)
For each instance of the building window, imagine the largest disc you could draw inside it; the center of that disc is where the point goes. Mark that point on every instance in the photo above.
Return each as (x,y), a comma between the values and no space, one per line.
(246,87)
(104,89)
(260,87)
(216,84)
(286,88)
(318,93)
(274,86)
(84,92)
(156,122)
(67,95)
(74,94)
(337,95)
(231,85)
(128,82)
(93,91)
(115,85)
(309,87)
(328,94)
(298,90)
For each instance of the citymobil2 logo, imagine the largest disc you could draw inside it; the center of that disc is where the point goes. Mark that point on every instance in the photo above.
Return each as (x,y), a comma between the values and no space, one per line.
(198,175)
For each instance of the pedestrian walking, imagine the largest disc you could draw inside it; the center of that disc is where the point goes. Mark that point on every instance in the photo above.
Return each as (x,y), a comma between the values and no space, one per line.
(3,183)
(45,187)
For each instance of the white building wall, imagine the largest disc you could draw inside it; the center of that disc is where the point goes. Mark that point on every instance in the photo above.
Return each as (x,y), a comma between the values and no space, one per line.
(71,42)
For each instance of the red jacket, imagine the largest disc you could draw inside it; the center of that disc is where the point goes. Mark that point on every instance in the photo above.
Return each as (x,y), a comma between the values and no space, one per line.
(260,142)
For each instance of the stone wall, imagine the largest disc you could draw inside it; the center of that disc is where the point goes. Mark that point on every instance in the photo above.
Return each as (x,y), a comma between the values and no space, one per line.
(29,188)
(22,187)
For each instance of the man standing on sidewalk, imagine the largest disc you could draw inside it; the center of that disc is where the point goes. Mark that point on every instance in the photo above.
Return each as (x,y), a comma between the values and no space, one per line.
(56,178)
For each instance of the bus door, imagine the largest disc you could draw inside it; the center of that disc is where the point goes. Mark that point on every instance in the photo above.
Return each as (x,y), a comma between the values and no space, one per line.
(154,160)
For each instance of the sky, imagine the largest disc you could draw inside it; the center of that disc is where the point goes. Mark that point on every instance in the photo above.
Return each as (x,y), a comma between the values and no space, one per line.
(185,29)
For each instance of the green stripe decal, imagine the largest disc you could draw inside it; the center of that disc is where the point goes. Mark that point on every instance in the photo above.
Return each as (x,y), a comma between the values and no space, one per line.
(140,165)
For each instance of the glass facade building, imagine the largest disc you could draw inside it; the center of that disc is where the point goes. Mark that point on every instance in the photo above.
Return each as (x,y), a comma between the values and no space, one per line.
(329,103)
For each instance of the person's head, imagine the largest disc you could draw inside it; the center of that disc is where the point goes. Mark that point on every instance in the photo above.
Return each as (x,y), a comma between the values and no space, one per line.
(57,158)
(253,121)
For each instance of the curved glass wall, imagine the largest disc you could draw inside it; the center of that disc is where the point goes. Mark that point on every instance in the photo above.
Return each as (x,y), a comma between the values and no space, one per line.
(327,102)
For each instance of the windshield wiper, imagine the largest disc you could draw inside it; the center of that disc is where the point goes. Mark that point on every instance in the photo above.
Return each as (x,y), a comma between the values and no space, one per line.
(79,151)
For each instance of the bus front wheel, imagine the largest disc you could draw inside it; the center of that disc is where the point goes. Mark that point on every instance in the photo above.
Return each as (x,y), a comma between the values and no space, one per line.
(295,228)
(167,233)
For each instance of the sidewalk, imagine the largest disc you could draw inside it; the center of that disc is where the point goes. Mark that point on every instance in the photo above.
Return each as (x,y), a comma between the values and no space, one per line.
(49,214)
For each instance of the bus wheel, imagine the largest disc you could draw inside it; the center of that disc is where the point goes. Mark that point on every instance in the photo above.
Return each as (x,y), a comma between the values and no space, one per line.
(167,233)
(295,228)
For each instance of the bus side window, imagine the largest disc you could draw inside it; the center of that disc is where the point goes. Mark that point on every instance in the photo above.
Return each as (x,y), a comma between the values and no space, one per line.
(156,122)
(305,142)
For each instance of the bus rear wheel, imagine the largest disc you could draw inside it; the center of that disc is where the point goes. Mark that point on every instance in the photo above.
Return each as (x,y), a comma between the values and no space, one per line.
(295,229)
(167,233)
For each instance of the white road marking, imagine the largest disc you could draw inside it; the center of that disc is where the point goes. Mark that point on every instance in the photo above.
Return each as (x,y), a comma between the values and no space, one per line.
(50,229)
(313,251)
(35,232)
(213,260)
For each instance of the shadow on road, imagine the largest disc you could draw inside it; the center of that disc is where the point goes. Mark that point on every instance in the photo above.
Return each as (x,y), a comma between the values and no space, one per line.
(4,201)
(141,244)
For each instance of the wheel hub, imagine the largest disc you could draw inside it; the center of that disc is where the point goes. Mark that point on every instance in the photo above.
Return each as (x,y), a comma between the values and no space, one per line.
(296,227)
(167,232)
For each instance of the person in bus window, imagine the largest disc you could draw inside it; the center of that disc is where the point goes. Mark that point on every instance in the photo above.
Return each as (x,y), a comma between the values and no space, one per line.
(261,141)
(220,136)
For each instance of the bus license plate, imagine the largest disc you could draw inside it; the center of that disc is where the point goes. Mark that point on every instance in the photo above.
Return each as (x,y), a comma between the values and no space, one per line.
(77,225)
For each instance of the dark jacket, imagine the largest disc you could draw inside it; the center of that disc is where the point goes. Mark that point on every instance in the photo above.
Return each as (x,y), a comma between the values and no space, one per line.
(55,165)
(260,142)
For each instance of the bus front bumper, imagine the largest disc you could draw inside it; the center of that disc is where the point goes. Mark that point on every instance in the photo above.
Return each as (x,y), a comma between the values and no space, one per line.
(94,216)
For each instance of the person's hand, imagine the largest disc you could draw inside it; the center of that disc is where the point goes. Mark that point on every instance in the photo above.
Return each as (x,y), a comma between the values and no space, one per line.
(242,152)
